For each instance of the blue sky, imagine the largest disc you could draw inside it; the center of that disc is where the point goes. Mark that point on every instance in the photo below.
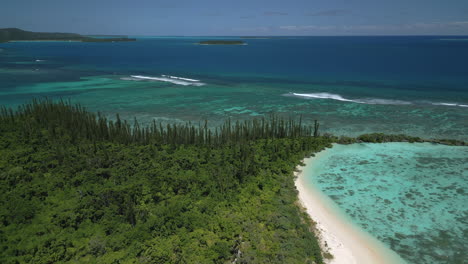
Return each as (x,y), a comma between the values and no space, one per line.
(239,17)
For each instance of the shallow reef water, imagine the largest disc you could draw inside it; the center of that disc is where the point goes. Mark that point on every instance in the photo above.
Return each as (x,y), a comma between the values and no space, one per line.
(411,196)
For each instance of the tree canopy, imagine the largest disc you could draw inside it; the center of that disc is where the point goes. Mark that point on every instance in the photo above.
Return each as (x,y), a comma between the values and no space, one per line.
(75,187)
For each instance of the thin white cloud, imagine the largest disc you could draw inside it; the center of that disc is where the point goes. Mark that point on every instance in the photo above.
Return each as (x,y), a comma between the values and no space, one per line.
(290,27)
(330,12)
(309,27)
(436,28)
(253,29)
(462,23)
(275,13)
(377,28)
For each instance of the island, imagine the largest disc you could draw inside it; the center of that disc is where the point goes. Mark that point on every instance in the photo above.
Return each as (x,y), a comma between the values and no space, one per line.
(16,34)
(78,187)
(222,42)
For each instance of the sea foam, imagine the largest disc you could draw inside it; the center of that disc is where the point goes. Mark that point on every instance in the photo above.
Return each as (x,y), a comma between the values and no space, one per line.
(372,101)
(180,78)
(323,96)
(167,78)
(359,101)
(450,104)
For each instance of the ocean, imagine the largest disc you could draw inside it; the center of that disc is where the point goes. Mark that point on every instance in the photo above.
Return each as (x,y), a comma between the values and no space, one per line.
(352,85)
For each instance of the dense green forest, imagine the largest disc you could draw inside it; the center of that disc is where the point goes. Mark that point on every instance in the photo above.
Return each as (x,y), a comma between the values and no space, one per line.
(75,187)
(16,34)
(385,138)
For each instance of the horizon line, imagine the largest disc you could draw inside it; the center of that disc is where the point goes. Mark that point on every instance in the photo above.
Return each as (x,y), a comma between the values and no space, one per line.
(247,35)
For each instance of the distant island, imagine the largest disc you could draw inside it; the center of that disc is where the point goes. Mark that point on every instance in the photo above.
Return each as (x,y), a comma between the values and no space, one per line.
(222,42)
(16,34)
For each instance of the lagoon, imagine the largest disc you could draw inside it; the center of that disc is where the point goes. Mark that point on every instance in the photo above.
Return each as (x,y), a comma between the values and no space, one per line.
(410,196)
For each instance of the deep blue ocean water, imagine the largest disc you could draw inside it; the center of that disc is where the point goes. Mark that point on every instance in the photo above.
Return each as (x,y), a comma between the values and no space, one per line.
(353,85)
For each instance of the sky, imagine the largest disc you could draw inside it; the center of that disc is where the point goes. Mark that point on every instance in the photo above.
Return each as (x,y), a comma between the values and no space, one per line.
(239,17)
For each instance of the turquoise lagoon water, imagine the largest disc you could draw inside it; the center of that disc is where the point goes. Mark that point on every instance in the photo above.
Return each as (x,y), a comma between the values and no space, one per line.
(412,197)
(353,85)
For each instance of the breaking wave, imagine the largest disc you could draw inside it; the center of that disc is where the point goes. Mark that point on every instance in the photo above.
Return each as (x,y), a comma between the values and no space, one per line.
(372,101)
(359,101)
(450,104)
(166,78)
(180,78)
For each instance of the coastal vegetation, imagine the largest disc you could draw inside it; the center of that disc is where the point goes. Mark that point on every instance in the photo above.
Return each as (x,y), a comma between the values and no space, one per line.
(15,34)
(76,187)
(385,138)
(222,42)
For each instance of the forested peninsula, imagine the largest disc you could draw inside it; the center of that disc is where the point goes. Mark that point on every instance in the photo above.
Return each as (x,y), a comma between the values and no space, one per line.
(77,187)
(15,34)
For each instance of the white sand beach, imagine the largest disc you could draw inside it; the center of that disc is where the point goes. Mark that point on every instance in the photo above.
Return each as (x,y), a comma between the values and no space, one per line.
(348,244)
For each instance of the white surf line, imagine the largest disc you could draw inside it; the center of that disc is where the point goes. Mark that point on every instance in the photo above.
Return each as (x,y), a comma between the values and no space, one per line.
(371,101)
(324,96)
(180,78)
(170,80)
(450,104)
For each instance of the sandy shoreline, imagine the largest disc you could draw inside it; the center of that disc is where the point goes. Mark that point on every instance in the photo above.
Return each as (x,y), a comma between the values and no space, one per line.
(346,242)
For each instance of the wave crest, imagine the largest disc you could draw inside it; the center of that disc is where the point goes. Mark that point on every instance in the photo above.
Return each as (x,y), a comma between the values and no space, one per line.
(180,78)
(371,101)
(323,96)
(166,78)
(359,101)
(450,104)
